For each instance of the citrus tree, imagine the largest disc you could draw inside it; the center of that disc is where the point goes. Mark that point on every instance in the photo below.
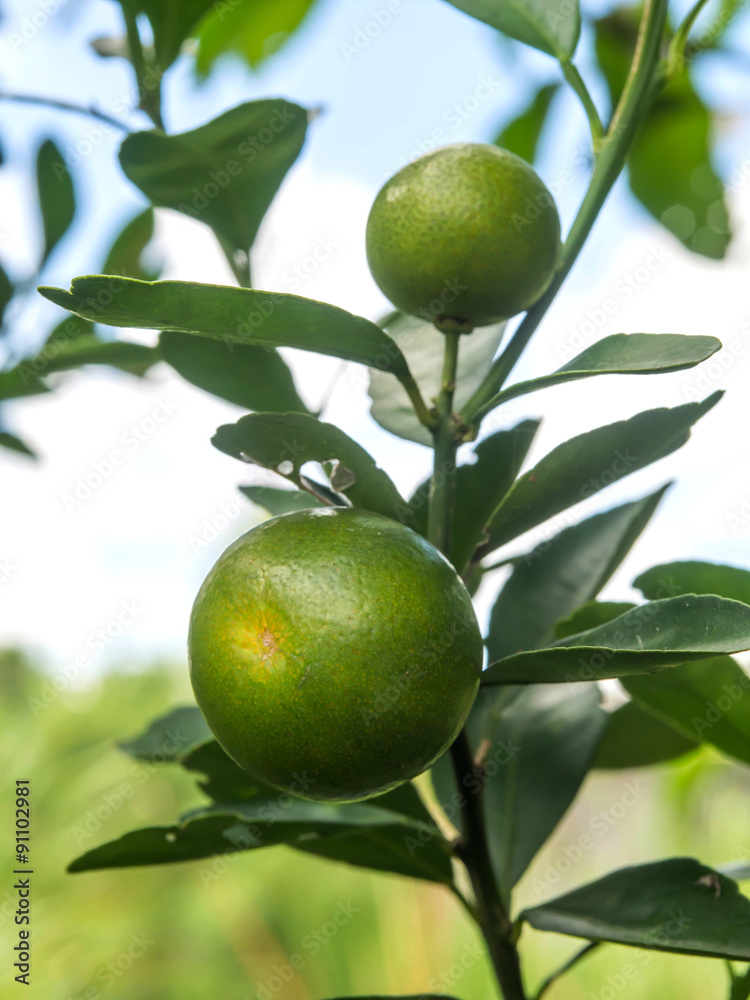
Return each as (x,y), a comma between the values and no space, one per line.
(334,651)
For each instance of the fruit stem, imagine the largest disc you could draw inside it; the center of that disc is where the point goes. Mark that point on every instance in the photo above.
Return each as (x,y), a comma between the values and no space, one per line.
(446,437)
(473,850)
(634,102)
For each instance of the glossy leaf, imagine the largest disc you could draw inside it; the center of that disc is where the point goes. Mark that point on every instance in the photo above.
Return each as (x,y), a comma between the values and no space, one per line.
(708,700)
(671,167)
(57,201)
(256,378)
(693,577)
(170,736)
(253,31)
(224,173)
(125,256)
(171,23)
(285,442)
(586,464)
(7,291)
(550,25)
(232,315)
(561,574)
(648,638)
(589,616)
(280,501)
(635,737)
(677,905)
(621,354)
(521,136)
(422,346)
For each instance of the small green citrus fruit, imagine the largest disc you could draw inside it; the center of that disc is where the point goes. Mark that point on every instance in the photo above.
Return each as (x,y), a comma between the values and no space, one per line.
(467,233)
(334,653)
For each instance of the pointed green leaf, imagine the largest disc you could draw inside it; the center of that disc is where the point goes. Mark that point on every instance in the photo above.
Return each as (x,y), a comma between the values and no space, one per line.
(285,442)
(224,173)
(169,736)
(678,905)
(589,616)
(222,780)
(621,354)
(122,354)
(693,577)
(280,501)
(586,464)
(57,201)
(256,378)
(14,443)
(708,700)
(125,256)
(561,574)
(232,315)
(521,136)
(171,23)
(550,25)
(650,637)
(20,381)
(635,737)
(422,346)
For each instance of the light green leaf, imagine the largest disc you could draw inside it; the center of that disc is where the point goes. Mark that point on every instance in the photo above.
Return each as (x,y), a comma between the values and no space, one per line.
(677,905)
(590,615)
(635,737)
(550,25)
(125,256)
(224,173)
(692,577)
(169,736)
(280,501)
(57,201)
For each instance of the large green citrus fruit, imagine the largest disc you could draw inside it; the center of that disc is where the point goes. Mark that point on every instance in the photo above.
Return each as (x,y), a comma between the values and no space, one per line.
(468,232)
(334,653)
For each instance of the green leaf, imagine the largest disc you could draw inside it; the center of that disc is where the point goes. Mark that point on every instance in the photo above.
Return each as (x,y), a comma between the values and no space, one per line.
(224,173)
(678,905)
(233,315)
(550,25)
(561,574)
(122,354)
(285,442)
(422,346)
(708,700)
(223,781)
(670,162)
(422,996)
(579,468)
(256,378)
(589,616)
(621,354)
(170,736)
(650,637)
(692,577)
(635,737)
(280,501)
(521,136)
(57,201)
(125,256)
(7,291)
(14,443)
(20,381)
(253,30)
(171,22)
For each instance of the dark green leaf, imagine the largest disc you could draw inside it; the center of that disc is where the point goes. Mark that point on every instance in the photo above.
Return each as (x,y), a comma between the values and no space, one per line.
(670,162)
(223,780)
(677,905)
(14,443)
(621,354)
(57,201)
(233,315)
(256,378)
(224,173)
(171,23)
(521,136)
(673,579)
(285,442)
(280,501)
(708,700)
(589,616)
(579,468)
(20,381)
(125,256)
(561,574)
(422,346)
(550,25)
(6,292)
(170,736)
(651,636)
(122,354)
(635,737)
(253,30)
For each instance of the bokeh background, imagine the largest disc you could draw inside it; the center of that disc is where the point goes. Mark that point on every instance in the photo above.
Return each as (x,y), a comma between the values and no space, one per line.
(146,537)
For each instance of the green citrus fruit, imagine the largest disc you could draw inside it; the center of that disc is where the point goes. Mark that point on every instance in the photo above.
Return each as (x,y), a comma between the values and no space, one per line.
(334,653)
(468,233)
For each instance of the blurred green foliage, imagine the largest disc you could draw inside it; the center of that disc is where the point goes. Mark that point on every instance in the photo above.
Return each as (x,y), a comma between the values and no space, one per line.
(233,926)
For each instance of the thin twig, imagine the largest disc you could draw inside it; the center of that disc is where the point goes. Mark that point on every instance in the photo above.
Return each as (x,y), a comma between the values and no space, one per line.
(53,102)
